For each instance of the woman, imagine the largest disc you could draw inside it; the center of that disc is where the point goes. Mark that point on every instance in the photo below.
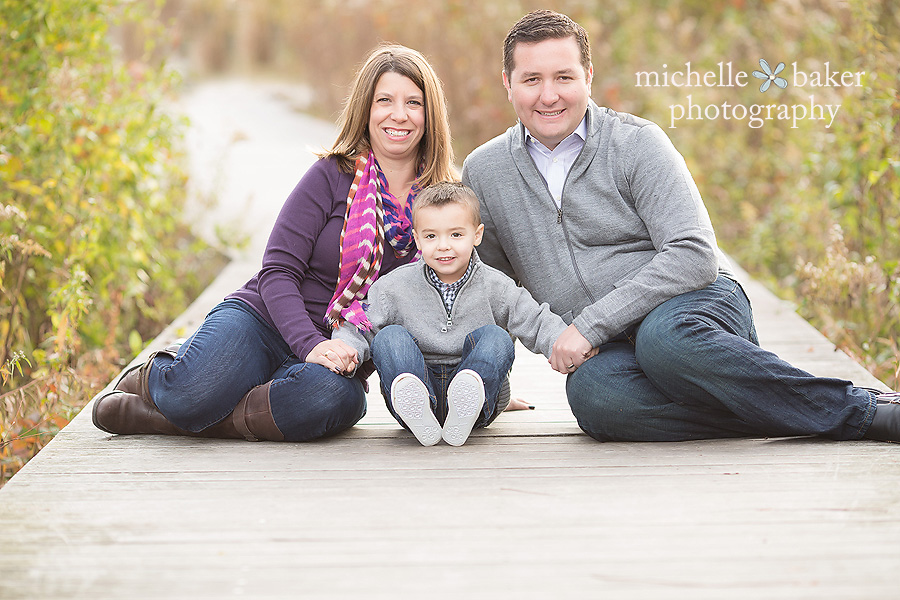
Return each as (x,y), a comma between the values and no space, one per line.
(262,366)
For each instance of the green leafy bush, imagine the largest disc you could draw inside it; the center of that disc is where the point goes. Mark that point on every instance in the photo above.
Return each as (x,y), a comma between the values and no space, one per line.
(92,253)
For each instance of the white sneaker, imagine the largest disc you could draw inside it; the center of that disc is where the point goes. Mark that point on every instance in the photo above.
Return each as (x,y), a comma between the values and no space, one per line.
(409,397)
(465,399)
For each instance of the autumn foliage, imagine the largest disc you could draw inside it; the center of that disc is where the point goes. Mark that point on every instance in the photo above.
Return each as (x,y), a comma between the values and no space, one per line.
(93,258)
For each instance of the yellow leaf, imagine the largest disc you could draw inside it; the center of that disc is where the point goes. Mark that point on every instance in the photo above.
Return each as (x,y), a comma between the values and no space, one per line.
(61,332)
(26,187)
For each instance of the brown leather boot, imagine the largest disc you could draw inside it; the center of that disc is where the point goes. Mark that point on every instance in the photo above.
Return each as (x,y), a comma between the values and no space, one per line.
(128,414)
(252,417)
(124,413)
(120,413)
(134,380)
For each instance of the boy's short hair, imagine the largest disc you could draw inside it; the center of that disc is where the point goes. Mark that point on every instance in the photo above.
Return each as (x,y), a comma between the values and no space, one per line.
(540,25)
(446,192)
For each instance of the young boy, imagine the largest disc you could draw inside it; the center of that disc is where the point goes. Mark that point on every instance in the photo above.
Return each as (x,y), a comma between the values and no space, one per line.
(440,326)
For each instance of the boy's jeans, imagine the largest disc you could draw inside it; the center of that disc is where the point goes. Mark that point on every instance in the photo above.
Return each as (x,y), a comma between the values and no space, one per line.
(488,351)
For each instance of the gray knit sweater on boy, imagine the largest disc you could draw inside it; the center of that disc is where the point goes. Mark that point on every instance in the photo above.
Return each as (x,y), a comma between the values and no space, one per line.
(405,297)
(632,231)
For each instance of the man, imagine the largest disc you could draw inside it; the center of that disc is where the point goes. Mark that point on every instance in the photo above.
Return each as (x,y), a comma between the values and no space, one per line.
(595,213)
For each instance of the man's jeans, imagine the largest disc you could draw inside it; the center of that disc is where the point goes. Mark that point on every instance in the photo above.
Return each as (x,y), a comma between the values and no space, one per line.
(488,351)
(235,350)
(693,369)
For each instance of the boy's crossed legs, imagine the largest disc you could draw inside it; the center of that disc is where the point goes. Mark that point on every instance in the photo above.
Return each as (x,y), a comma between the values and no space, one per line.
(443,400)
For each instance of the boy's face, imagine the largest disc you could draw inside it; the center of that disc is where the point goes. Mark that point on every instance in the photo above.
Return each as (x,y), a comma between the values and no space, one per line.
(446,235)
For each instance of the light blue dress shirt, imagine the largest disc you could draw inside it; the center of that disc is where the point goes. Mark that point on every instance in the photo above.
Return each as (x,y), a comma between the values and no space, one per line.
(554,165)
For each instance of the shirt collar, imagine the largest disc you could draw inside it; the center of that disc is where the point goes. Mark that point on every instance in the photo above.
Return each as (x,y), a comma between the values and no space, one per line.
(579,136)
(433,277)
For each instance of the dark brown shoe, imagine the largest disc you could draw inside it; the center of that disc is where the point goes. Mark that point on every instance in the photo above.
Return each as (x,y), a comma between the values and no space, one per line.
(134,380)
(127,413)
(252,417)
(124,413)
(130,381)
(885,425)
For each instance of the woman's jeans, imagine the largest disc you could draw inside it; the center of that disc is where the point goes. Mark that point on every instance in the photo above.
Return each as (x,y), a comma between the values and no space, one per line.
(235,350)
(693,369)
(488,351)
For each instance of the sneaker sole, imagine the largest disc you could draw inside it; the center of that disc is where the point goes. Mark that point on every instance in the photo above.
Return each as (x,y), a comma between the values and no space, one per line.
(409,398)
(465,399)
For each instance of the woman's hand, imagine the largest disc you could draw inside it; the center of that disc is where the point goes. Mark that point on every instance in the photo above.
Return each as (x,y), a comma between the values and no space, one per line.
(335,356)
(570,351)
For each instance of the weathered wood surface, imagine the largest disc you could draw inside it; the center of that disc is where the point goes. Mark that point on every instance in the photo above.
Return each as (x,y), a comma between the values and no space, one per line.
(529,508)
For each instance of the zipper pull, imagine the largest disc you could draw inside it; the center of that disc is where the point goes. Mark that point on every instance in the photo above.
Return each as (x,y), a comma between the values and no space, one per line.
(559,215)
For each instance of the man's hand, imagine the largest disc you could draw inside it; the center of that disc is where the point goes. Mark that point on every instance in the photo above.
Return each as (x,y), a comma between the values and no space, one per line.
(570,351)
(334,355)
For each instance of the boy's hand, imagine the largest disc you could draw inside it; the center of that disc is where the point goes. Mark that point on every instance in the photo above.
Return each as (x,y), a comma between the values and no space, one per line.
(570,351)
(518,404)
(335,356)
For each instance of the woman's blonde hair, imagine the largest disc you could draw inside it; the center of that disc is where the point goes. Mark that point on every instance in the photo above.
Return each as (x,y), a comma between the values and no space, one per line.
(435,151)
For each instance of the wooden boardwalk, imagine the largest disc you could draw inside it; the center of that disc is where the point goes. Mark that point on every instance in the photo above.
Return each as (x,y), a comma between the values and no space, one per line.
(529,508)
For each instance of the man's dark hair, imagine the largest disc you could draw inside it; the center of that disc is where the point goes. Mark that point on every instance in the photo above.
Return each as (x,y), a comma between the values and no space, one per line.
(541,25)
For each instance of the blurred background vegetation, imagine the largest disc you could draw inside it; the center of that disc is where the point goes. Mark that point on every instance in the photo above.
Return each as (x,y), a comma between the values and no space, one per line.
(94,257)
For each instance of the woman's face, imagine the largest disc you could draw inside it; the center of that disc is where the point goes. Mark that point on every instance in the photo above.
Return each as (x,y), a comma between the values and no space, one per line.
(397,118)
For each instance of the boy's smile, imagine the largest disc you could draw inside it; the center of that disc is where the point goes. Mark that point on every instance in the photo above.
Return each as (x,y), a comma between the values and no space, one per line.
(446,235)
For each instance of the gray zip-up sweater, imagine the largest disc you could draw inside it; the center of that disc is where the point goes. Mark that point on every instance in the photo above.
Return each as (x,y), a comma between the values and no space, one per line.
(632,231)
(405,297)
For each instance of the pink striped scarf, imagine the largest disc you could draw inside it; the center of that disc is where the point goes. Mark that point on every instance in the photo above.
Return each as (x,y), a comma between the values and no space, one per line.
(362,244)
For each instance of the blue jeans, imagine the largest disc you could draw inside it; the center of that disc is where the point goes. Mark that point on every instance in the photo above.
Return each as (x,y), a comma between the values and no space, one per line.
(488,351)
(693,369)
(235,350)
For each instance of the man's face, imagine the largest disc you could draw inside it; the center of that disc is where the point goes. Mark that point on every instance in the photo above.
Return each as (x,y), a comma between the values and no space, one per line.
(549,88)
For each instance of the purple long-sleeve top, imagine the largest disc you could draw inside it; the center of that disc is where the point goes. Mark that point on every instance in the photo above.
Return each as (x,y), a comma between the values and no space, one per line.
(302,258)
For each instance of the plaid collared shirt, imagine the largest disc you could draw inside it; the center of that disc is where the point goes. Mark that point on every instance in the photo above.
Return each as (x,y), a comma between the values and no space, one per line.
(448,291)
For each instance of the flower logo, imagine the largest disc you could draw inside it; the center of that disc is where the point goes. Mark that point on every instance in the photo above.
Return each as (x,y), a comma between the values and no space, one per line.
(770,75)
